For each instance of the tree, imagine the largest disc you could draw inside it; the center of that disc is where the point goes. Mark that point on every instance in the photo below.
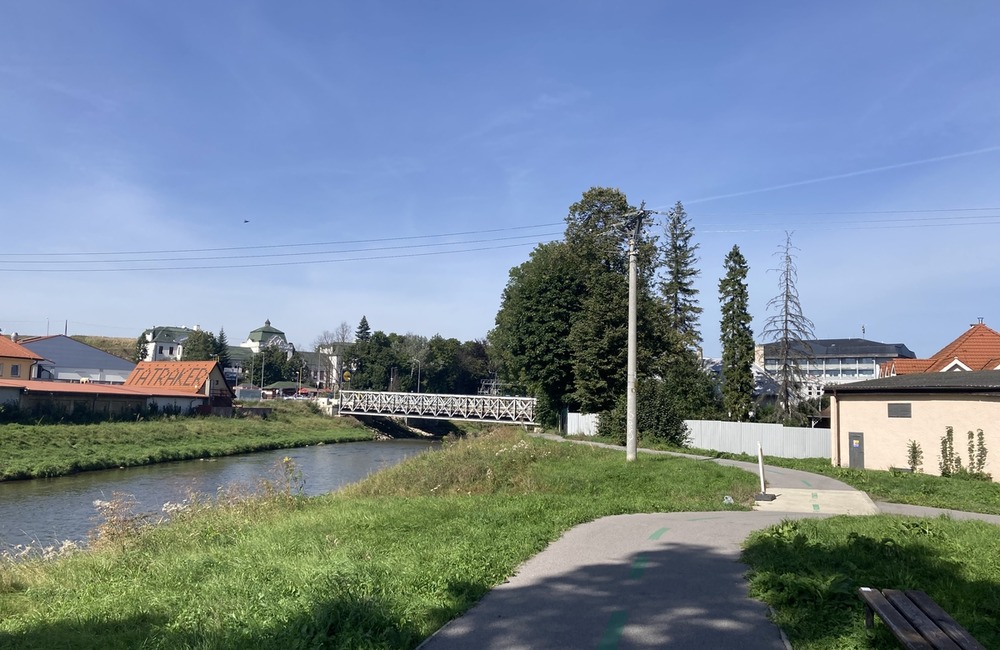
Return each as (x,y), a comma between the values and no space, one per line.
(530,341)
(343,332)
(376,364)
(200,345)
(364,332)
(789,329)
(736,338)
(222,349)
(140,351)
(677,287)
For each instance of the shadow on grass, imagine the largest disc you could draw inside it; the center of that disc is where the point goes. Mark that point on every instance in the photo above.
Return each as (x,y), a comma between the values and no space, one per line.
(811,579)
(346,623)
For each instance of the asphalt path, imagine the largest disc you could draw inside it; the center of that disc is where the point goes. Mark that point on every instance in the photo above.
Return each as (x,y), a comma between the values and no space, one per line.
(661,580)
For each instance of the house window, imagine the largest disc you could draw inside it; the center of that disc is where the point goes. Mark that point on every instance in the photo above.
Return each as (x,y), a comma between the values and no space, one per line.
(171,350)
(161,350)
(900,410)
(1,370)
(15,370)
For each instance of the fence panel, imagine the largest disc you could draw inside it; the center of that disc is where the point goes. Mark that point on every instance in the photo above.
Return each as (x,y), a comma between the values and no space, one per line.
(581,424)
(742,437)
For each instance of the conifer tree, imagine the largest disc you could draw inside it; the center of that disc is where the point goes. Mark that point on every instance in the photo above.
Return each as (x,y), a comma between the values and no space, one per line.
(736,337)
(222,349)
(790,330)
(364,332)
(677,287)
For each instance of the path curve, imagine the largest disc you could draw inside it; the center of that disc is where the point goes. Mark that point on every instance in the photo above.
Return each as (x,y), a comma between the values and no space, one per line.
(650,580)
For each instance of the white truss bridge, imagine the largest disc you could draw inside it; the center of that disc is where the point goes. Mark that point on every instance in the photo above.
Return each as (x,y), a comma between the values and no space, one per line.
(479,408)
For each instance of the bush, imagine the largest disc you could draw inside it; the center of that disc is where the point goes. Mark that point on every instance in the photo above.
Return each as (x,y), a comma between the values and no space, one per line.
(657,419)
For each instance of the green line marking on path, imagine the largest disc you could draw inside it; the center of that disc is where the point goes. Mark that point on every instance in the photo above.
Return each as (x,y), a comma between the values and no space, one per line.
(815,507)
(808,484)
(639,565)
(815,495)
(614,630)
(658,534)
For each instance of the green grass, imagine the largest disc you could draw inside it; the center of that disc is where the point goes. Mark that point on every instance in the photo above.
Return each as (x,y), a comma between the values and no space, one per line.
(809,572)
(892,486)
(382,564)
(38,451)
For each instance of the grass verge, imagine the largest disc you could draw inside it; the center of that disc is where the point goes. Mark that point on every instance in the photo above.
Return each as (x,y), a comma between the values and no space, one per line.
(382,564)
(809,572)
(892,486)
(39,451)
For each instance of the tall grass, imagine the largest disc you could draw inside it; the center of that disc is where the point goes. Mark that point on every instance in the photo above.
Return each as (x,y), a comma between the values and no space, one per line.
(382,564)
(39,451)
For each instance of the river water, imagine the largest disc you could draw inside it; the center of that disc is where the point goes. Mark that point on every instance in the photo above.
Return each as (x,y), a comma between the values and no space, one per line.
(47,511)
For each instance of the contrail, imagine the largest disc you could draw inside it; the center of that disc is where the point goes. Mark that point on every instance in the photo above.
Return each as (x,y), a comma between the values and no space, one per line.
(835,177)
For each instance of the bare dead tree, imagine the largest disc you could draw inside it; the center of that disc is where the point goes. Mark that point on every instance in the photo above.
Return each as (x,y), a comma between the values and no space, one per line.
(789,329)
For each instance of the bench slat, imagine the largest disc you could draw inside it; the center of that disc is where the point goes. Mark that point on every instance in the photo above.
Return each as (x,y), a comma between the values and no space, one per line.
(937,614)
(895,621)
(924,624)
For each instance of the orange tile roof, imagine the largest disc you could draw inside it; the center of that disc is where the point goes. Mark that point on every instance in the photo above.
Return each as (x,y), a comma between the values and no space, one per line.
(187,377)
(45,386)
(10,349)
(978,348)
(975,348)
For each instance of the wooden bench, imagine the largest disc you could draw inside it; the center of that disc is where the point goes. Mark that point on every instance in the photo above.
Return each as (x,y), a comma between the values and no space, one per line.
(916,620)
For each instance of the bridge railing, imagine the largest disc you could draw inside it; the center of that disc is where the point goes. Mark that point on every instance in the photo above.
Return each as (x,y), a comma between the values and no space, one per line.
(482,408)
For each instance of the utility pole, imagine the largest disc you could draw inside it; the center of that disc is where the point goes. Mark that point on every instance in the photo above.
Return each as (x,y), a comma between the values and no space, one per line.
(631,411)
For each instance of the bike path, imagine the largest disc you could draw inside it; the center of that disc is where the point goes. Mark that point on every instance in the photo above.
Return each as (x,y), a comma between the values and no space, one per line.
(652,580)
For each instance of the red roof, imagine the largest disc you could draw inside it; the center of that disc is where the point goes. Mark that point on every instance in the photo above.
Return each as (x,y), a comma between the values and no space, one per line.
(9,349)
(187,377)
(976,349)
(40,386)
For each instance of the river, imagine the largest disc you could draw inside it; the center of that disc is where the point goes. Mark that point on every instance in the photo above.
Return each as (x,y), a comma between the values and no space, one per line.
(44,512)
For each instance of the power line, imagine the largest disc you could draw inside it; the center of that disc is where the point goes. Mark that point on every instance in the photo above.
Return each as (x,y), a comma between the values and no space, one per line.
(533,239)
(293,245)
(273,264)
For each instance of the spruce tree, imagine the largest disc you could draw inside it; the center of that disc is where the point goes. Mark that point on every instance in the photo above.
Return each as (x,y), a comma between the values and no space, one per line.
(222,349)
(736,337)
(364,332)
(790,331)
(677,287)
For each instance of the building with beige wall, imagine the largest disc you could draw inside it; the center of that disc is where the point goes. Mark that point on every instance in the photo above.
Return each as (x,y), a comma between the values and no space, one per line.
(873,422)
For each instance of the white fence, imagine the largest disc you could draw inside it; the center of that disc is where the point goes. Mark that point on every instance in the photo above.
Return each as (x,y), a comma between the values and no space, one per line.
(736,437)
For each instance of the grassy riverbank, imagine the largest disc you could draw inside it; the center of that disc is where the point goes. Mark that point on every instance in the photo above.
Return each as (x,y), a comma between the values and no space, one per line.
(382,564)
(894,487)
(36,451)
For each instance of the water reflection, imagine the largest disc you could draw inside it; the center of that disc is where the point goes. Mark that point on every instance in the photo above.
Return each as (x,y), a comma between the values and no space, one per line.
(45,511)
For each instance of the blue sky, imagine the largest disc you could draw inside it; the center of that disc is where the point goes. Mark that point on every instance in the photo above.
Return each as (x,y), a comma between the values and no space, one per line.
(328,153)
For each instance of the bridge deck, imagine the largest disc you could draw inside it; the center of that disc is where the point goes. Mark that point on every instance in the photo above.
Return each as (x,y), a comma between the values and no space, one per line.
(480,408)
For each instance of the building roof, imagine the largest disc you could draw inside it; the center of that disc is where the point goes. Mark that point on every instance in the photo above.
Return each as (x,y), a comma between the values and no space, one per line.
(62,387)
(65,352)
(820,348)
(187,377)
(12,350)
(266,333)
(977,348)
(929,382)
